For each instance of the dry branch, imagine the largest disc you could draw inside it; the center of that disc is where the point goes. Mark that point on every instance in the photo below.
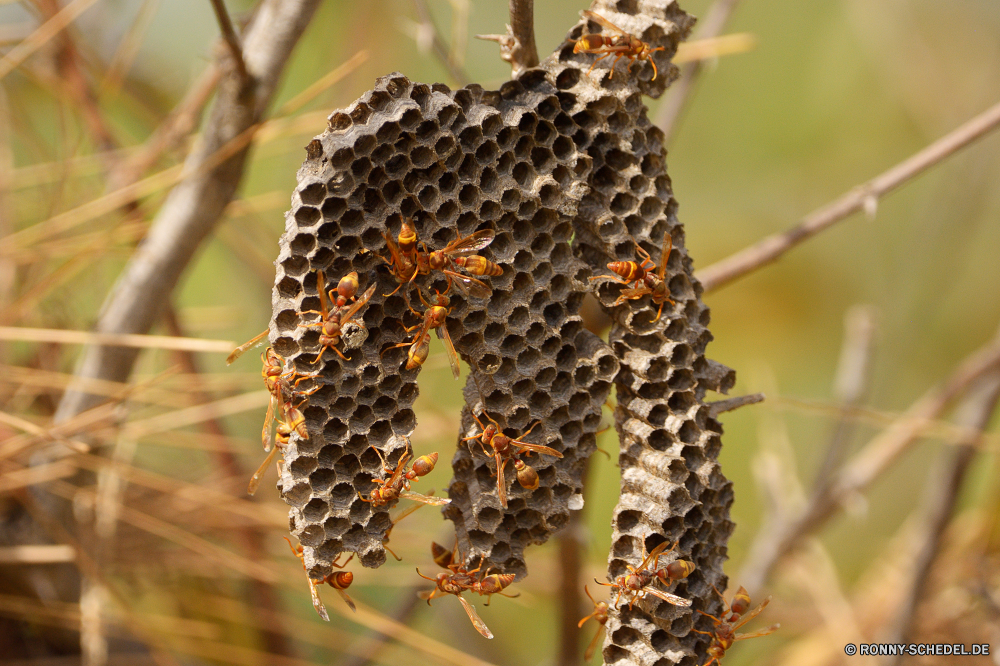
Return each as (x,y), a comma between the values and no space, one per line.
(196,204)
(859,472)
(863,197)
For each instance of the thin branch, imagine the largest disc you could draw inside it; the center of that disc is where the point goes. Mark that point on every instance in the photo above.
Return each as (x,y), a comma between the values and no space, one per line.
(522,23)
(941,496)
(230,37)
(859,472)
(193,207)
(729,404)
(711,26)
(570,543)
(864,196)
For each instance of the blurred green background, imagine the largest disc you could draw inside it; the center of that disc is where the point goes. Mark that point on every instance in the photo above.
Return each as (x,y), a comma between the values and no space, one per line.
(835,92)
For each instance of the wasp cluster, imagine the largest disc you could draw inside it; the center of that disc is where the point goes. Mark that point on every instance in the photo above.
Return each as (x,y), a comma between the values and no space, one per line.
(567,170)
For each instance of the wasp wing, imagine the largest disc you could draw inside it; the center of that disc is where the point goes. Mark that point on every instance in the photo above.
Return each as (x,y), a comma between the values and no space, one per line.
(477,622)
(757,634)
(593,644)
(348,600)
(357,305)
(538,448)
(317,602)
(752,614)
(669,598)
(265,433)
(255,479)
(246,346)
(442,332)
(470,244)
(426,499)
(597,18)
(470,285)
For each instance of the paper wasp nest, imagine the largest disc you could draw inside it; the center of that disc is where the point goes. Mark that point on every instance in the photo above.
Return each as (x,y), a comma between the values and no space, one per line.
(569,172)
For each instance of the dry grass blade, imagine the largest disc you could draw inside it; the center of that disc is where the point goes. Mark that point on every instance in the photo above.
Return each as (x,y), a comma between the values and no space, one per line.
(42,35)
(29,476)
(384,624)
(43,554)
(317,87)
(714,47)
(116,339)
(178,535)
(198,414)
(208,497)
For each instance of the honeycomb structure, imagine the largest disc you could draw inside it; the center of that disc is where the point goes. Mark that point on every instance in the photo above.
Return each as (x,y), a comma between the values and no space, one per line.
(569,172)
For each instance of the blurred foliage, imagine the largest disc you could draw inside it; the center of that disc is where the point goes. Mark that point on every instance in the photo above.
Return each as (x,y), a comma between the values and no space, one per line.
(835,92)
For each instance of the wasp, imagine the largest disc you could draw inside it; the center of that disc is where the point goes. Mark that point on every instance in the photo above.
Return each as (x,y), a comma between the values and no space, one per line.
(621,45)
(459,253)
(503,448)
(459,579)
(338,580)
(402,256)
(278,381)
(725,628)
(406,261)
(600,616)
(434,317)
(293,421)
(332,321)
(638,583)
(398,483)
(648,278)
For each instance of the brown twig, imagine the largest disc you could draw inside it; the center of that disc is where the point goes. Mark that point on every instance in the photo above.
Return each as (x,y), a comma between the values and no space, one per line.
(864,196)
(729,404)
(524,54)
(230,37)
(941,495)
(570,542)
(859,472)
(711,26)
(196,204)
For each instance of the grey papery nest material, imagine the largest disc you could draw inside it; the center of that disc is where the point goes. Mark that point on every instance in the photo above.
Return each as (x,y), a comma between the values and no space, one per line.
(568,171)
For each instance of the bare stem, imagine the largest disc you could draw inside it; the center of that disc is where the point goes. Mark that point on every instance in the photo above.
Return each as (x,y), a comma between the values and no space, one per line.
(673,106)
(230,37)
(522,24)
(864,196)
(729,404)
